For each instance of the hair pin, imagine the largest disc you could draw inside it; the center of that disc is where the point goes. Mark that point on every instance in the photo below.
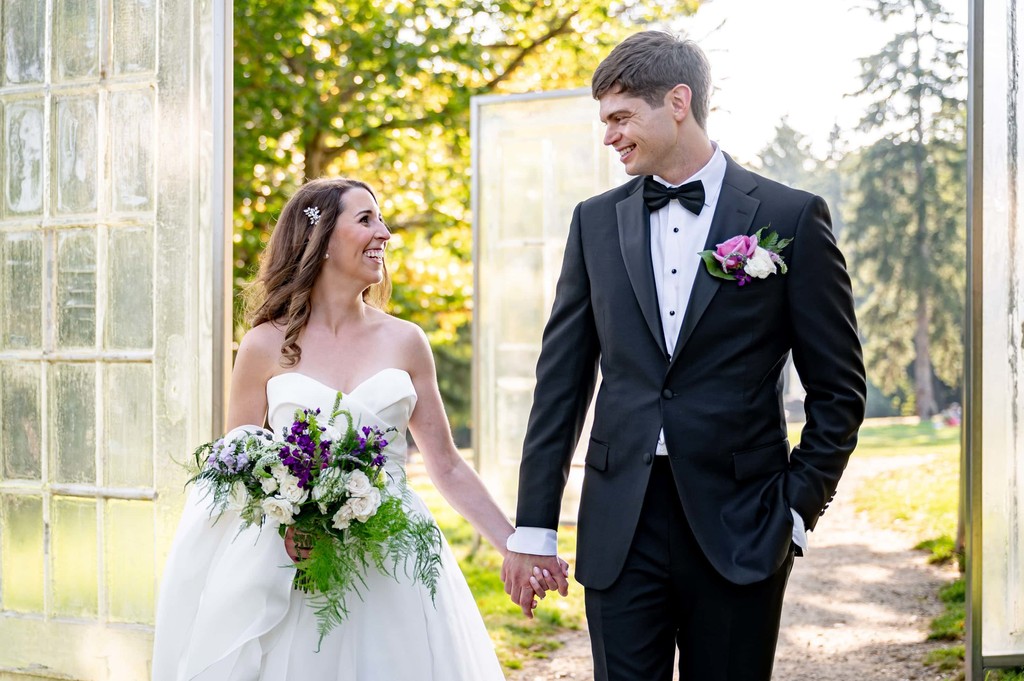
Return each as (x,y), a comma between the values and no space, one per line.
(313,213)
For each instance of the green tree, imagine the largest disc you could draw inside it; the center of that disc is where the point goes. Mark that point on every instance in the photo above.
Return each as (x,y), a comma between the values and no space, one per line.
(789,159)
(908,227)
(381,91)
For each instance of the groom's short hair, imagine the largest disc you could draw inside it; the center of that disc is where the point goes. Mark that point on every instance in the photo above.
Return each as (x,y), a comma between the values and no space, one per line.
(649,64)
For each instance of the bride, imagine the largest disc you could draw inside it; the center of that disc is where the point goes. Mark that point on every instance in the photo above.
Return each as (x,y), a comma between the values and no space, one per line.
(227,610)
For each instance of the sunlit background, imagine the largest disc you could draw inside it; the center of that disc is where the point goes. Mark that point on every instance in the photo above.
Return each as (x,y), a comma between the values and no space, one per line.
(105,291)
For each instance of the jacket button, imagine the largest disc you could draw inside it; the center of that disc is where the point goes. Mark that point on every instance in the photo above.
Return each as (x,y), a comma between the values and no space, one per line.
(648,458)
(667,394)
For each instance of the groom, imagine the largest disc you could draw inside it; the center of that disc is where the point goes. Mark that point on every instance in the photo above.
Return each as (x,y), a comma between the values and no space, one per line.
(693,502)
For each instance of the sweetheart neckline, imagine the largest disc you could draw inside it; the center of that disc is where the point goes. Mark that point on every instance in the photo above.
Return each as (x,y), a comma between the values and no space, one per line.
(343,392)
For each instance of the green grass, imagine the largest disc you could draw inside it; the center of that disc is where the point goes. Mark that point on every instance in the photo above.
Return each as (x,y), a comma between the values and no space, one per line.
(1006,675)
(920,499)
(946,659)
(907,439)
(516,638)
(942,550)
(949,626)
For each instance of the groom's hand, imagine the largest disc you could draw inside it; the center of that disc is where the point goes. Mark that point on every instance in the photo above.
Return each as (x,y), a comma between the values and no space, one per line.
(528,575)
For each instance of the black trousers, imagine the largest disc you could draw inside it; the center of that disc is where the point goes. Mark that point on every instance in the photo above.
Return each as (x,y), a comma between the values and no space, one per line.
(669,595)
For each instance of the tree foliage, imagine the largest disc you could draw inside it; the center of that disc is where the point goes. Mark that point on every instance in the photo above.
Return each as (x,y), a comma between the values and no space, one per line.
(908,225)
(789,159)
(381,91)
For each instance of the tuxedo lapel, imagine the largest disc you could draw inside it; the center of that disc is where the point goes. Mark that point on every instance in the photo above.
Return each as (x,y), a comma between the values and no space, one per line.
(635,242)
(734,214)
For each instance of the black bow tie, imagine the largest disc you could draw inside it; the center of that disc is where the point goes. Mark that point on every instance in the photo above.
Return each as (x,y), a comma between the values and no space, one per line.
(657,195)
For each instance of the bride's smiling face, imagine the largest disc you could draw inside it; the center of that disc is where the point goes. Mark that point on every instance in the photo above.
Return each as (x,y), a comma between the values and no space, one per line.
(359,238)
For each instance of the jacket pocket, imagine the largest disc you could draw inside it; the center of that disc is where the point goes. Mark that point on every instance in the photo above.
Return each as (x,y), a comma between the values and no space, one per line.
(760,461)
(597,455)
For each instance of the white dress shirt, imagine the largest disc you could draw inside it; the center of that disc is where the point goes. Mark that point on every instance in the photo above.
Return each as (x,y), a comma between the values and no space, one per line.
(677,238)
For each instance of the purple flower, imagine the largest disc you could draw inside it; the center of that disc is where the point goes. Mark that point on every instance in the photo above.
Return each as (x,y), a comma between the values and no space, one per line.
(227,458)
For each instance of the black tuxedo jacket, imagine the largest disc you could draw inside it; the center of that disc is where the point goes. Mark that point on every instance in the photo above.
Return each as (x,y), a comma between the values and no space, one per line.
(718,396)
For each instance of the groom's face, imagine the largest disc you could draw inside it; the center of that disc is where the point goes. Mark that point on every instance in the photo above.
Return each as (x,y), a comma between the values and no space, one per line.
(644,137)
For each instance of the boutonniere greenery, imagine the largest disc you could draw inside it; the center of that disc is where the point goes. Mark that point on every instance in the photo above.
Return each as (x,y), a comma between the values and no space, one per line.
(743,257)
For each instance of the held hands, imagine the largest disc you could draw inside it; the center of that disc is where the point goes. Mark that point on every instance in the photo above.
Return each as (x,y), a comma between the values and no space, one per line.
(527,576)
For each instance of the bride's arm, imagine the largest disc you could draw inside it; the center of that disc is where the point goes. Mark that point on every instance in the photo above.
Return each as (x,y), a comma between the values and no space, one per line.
(456,479)
(254,363)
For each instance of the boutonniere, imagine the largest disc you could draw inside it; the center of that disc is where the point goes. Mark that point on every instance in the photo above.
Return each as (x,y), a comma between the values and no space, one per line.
(743,257)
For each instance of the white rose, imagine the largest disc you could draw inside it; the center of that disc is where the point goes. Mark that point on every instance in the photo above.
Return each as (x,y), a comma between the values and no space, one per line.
(291,491)
(760,265)
(279,471)
(269,485)
(331,433)
(359,485)
(343,518)
(238,497)
(364,507)
(279,509)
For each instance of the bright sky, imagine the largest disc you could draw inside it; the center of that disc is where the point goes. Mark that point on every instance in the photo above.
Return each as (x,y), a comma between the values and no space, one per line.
(770,58)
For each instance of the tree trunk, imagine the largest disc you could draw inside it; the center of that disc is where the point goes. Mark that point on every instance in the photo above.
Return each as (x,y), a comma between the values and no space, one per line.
(316,158)
(924,388)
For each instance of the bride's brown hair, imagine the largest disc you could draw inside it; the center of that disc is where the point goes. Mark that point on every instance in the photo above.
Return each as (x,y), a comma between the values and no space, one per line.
(293,258)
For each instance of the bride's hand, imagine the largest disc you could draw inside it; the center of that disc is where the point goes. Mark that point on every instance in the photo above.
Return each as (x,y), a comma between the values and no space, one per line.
(543,581)
(295,550)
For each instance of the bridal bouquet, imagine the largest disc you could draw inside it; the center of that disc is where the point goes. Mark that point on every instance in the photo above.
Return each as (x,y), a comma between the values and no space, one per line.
(327,483)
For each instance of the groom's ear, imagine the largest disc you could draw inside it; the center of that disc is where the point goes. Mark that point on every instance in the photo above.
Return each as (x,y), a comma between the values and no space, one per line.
(679,99)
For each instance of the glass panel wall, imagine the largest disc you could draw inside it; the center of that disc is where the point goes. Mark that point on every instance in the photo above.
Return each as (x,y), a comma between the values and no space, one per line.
(109,255)
(534,158)
(995,372)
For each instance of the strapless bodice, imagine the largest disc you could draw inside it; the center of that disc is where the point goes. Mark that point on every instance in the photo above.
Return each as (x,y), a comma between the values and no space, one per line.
(385,399)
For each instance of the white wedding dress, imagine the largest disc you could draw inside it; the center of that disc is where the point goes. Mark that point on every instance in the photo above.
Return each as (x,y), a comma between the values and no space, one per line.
(227,610)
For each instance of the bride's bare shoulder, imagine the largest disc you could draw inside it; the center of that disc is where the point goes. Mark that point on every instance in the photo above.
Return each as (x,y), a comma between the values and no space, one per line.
(407,342)
(262,344)
(399,330)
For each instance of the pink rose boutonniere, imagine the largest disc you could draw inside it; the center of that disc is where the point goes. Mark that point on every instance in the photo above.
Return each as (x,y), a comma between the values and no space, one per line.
(743,257)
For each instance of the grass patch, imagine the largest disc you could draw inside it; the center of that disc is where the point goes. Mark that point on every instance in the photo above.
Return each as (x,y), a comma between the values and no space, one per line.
(516,638)
(949,626)
(946,659)
(921,499)
(942,550)
(881,438)
(1006,675)
(907,439)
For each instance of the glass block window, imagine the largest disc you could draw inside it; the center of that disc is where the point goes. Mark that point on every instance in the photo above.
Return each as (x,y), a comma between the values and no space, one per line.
(77,301)
(106,316)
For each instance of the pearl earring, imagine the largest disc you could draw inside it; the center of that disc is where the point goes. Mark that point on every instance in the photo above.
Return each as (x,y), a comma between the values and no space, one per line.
(327,256)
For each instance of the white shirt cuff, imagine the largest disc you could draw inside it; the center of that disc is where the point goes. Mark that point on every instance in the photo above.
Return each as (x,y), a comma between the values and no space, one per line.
(799,531)
(539,541)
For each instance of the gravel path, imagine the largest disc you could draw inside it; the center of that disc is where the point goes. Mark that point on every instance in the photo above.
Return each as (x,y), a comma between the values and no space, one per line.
(857,608)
